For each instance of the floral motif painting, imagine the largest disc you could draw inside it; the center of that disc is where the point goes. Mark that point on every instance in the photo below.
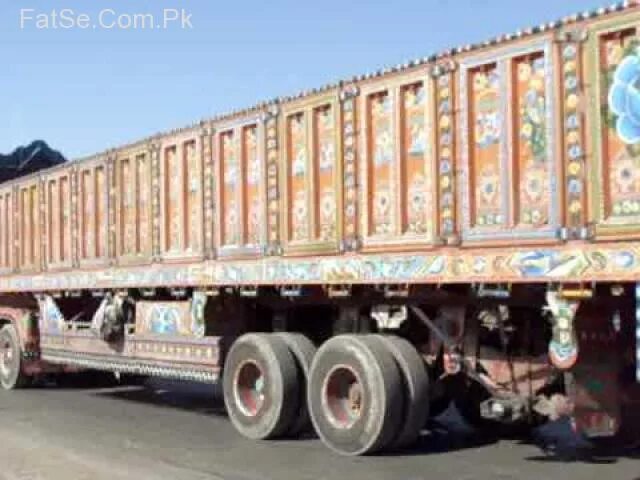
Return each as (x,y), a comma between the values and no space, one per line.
(413,159)
(382,153)
(252,185)
(485,111)
(174,215)
(192,177)
(531,153)
(325,140)
(144,203)
(298,190)
(127,207)
(230,183)
(621,58)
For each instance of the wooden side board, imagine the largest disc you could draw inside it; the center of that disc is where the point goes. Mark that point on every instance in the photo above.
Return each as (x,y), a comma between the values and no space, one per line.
(531,143)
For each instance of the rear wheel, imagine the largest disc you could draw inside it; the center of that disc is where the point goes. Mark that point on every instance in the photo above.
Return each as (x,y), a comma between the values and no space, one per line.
(303,351)
(355,395)
(11,375)
(260,384)
(416,388)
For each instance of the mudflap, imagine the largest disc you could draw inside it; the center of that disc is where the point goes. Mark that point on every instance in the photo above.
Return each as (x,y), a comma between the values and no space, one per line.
(593,384)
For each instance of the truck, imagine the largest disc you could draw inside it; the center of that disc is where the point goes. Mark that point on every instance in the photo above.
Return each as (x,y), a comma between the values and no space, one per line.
(462,228)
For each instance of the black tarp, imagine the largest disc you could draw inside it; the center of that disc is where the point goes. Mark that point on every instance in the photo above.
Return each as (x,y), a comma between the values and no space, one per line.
(28,159)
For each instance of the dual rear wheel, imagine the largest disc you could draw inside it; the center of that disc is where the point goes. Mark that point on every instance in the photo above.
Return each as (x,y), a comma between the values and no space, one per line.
(362,393)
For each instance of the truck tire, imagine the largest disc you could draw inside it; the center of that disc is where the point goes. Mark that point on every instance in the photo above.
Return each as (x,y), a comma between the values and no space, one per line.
(416,388)
(355,395)
(303,351)
(260,384)
(11,375)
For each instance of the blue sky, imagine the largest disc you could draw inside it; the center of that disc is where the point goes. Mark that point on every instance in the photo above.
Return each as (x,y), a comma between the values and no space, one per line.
(85,90)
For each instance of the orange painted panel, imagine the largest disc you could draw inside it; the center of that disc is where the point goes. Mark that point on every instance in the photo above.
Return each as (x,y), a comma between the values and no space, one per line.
(65,219)
(143,204)
(533,172)
(29,227)
(127,183)
(53,222)
(324,163)
(251,185)
(231,181)
(621,161)
(485,132)
(101,211)
(298,172)
(381,155)
(193,207)
(6,237)
(87,217)
(415,219)
(173,199)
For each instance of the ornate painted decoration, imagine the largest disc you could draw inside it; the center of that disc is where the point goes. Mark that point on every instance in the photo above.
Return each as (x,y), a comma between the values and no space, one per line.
(382,148)
(209,188)
(534,165)
(324,151)
(414,141)
(273,194)
(563,348)
(253,177)
(486,124)
(622,135)
(573,122)
(231,181)
(350,214)
(445,146)
(508,180)
(299,174)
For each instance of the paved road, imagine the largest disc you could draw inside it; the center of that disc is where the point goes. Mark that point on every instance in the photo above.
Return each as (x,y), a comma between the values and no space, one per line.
(179,431)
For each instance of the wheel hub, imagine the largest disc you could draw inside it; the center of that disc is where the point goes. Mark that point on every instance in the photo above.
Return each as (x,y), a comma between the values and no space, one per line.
(6,357)
(250,388)
(343,396)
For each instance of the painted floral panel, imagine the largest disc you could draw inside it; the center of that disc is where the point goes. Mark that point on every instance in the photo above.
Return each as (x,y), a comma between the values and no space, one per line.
(230,184)
(54,221)
(620,55)
(325,168)
(382,163)
(4,231)
(88,220)
(485,111)
(128,204)
(65,219)
(298,170)
(100,212)
(414,144)
(252,185)
(143,177)
(192,177)
(173,201)
(533,172)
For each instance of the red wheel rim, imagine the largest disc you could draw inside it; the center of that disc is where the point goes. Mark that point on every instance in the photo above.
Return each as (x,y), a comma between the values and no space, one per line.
(249,386)
(342,396)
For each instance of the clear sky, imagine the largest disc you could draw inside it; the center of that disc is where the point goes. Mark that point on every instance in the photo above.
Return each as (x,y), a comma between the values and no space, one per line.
(85,90)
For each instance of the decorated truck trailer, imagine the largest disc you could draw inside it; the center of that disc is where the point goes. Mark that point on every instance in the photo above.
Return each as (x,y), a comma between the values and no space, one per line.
(460,228)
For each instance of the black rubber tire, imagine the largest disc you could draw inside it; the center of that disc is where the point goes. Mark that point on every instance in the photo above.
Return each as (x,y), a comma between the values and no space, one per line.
(416,388)
(281,396)
(12,377)
(382,396)
(303,350)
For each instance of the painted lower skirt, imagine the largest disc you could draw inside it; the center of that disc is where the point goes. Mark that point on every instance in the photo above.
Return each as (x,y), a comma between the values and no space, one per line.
(132,365)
